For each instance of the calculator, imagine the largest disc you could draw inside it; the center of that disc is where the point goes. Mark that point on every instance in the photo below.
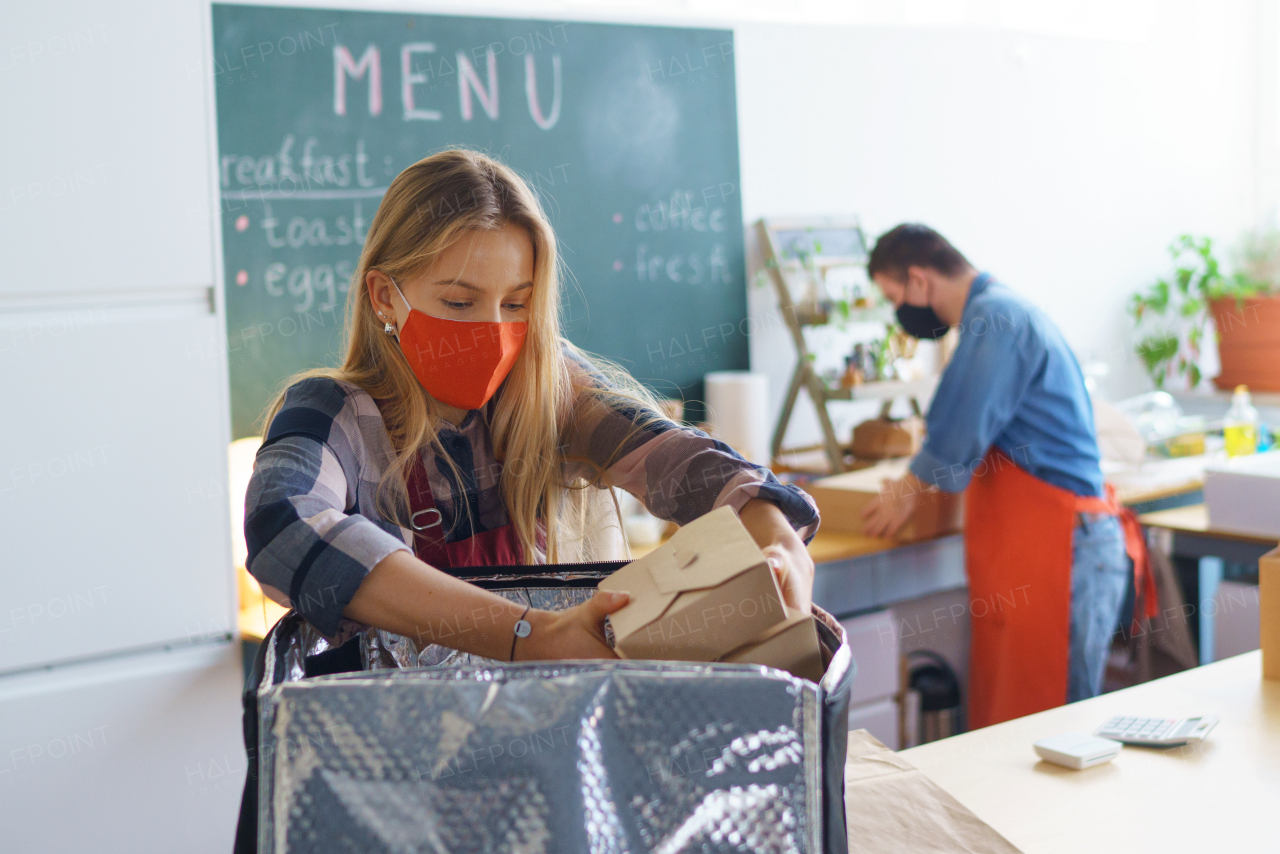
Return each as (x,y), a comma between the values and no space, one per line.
(1157,732)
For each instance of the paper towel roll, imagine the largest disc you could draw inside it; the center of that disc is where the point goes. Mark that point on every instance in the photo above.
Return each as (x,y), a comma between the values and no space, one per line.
(738,407)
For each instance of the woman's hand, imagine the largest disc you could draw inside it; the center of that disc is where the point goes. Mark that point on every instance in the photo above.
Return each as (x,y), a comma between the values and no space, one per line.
(795,576)
(784,550)
(576,632)
(406,596)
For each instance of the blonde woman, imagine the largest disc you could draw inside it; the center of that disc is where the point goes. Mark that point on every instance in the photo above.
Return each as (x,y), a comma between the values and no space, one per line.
(463,430)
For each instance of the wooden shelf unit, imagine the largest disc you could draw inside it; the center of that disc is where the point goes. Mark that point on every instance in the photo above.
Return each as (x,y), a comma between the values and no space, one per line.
(774,237)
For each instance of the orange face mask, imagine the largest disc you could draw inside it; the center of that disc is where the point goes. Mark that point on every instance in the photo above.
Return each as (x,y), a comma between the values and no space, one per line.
(459,362)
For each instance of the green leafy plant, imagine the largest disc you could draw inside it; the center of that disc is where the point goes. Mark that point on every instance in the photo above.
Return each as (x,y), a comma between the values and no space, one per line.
(1170,315)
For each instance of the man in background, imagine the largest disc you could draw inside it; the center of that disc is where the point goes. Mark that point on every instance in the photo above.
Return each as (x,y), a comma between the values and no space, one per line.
(1012,424)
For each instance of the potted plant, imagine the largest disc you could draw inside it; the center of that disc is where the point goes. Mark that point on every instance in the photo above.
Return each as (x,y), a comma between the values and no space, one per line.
(1248,324)
(1171,316)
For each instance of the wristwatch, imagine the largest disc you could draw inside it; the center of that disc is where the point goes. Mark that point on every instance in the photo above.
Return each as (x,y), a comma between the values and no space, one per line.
(522,629)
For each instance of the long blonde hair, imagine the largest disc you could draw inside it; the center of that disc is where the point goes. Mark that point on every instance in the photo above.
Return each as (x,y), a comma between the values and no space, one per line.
(426,208)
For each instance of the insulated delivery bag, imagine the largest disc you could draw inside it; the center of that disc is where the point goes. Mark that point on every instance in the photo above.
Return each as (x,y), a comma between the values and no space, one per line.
(376,743)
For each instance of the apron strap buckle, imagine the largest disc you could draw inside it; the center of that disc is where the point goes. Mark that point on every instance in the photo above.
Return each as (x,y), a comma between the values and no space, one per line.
(413,520)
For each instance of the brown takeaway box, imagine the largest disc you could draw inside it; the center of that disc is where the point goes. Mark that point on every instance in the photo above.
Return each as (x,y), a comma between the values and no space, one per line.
(1269,612)
(882,439)
(841,498)
(704,593)
(791,646)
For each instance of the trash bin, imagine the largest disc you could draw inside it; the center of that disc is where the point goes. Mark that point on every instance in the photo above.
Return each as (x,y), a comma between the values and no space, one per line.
(934,680)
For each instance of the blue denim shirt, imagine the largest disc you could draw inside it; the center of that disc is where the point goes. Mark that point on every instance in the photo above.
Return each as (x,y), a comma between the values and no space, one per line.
(1013,383)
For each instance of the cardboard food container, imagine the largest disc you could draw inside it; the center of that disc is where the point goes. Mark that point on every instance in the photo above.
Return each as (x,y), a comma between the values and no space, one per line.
(1269,612)
(842,497)
(792,645)
(882,438)
(704,593)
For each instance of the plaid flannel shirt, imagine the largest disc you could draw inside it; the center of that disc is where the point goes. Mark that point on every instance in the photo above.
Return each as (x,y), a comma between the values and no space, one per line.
(313,531)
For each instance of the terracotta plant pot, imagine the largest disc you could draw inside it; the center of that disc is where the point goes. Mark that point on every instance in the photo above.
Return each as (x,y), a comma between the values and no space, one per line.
(1248,342)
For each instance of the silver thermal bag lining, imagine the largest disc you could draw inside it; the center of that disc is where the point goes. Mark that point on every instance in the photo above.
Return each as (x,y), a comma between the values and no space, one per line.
(417,752)
(614,756)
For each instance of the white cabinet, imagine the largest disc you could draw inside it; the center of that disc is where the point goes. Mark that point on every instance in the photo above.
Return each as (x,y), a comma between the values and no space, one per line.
(141,754)
(873,640)
(114,513)
(114,533)
(105,179)
(880,719)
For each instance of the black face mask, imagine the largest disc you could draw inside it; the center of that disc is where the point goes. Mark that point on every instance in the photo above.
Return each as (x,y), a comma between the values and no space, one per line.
(921,321)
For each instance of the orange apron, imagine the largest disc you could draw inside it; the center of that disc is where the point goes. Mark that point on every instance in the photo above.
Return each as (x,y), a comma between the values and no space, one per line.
(1018,556)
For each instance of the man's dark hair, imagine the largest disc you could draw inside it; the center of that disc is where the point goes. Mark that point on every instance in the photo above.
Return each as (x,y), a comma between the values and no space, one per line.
(914,245)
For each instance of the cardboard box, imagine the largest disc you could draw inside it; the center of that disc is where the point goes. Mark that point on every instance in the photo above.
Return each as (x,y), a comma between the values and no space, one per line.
(792,645)
(1269,612)
(842,497)
(882,439)
(703,593)
(1242,495)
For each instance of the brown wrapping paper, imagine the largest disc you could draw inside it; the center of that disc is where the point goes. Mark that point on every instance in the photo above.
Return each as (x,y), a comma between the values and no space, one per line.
(893,808)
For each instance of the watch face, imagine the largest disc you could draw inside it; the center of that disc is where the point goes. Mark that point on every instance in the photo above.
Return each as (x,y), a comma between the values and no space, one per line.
(523,628)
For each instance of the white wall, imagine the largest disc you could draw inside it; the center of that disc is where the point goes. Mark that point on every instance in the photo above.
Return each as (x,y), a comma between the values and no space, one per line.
(1063,165)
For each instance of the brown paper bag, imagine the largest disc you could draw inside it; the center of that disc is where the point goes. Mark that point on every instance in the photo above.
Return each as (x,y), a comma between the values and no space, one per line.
(892,808)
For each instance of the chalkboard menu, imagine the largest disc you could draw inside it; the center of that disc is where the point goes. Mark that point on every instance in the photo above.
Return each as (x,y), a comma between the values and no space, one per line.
(627,133)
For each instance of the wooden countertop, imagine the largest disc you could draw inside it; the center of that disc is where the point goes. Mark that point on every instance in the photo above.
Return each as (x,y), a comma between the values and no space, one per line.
(1194,519)
(1216,796)
(824,547)
(829,547)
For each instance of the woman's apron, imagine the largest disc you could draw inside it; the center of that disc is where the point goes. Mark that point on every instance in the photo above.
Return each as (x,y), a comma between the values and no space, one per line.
(497,547)
(1018,556)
